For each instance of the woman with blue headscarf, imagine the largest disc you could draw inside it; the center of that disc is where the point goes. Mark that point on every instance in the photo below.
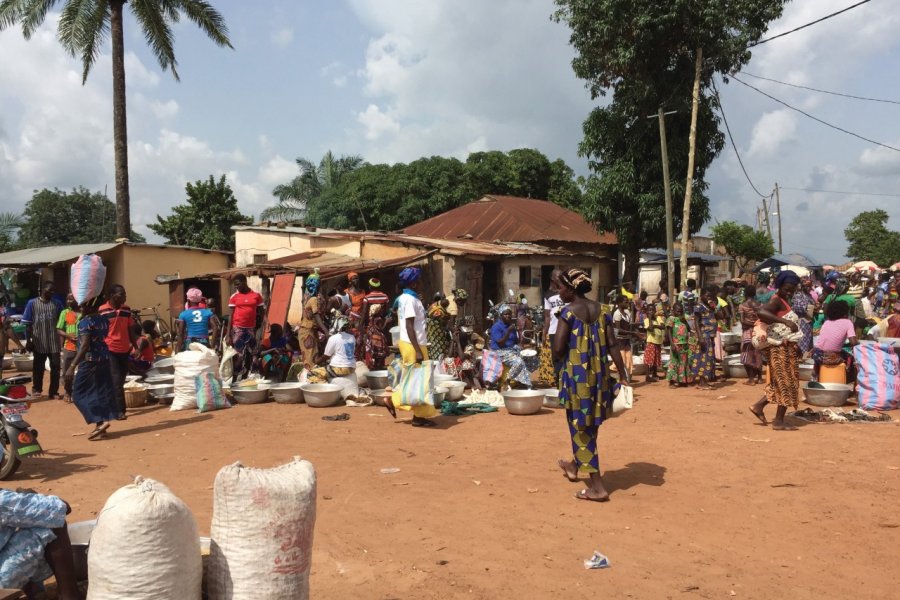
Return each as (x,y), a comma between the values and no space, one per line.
(312,324)
(783,388)
(412,344)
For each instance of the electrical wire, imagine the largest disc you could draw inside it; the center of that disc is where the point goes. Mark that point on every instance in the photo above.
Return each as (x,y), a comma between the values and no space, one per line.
(834,14)
(782,102)
(803,87)
(733,145)
(843,193)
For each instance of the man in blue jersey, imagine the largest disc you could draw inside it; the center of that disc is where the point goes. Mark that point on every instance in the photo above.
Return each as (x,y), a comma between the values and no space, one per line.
(196,323)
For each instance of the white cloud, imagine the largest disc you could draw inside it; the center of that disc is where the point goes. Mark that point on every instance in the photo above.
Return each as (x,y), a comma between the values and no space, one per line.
(283,36)
(881,161)
(376,122)
(277,171)
(772,131)
(164,110)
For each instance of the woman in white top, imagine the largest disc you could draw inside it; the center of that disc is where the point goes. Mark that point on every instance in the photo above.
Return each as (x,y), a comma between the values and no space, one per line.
(412,344)
(340,350)
(548,370)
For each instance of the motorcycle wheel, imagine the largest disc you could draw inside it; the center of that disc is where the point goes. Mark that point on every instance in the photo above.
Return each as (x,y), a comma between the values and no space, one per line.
(10,463)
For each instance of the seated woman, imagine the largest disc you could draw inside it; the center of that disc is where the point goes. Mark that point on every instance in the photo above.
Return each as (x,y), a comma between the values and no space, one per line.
(463,364)
(35,543)
(829,347)
(142,357)
(340,354)
(275,354)
(505,341)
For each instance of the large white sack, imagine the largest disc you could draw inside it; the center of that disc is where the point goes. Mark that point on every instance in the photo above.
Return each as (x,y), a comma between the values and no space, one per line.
(262,532)
(144,547)
(197,360)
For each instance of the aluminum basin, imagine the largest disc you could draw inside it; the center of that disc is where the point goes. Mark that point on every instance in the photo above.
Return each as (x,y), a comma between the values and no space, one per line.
(321,395)
(834,394)
(524,402)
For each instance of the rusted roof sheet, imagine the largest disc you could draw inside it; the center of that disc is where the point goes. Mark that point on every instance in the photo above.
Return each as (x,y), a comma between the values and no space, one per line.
(509,218)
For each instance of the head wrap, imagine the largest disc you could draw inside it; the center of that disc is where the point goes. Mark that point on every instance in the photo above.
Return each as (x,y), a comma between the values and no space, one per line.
(460,294)
(194,295)
(409,275)
(785,277)
(841,285)
(313,282)
(341,323)
(351,275)
(375,282)
(576,279)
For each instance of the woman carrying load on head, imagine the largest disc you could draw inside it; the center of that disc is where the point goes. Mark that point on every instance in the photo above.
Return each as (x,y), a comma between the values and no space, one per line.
(583,343)
(312,324)
(784,368)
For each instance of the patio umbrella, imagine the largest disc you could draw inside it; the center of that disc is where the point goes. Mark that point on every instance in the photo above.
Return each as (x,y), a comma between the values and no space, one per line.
(865,265)
(827,268)
(800,271)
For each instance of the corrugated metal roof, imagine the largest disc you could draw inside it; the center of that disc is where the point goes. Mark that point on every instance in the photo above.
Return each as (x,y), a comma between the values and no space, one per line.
(509,218)
(50,255)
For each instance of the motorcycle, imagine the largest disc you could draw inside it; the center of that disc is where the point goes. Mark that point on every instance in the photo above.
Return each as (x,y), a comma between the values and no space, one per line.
(18,439)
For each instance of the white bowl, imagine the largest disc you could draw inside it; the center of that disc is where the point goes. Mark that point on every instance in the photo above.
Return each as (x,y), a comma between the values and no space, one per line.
(455,390)
(551,398)
(442,377)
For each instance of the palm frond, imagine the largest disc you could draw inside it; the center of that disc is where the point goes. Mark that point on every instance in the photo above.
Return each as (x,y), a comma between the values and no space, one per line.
(34,15)
(157,33)
(10,222)
(11,12)
(284,211)
(207,18)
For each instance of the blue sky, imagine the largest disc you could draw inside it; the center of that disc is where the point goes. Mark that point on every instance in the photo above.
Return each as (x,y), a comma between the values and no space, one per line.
(395,80)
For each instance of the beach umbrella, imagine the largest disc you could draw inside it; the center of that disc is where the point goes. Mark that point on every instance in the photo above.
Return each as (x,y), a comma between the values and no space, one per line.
(865,265)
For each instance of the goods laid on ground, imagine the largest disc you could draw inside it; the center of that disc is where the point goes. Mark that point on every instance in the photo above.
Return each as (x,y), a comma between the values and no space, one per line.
(188,365)
(144,547)
(262,532)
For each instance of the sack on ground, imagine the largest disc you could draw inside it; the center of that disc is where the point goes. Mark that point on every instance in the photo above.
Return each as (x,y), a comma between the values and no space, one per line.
(86,277)
(491,366)
(209,393)
(361,371)
(416,385)
(188,365)
(144,547)
(878,376)
(349,387)
(262,532)
(226,365)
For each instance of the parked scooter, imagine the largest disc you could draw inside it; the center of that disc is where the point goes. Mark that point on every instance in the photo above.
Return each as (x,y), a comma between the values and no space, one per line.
(18,439)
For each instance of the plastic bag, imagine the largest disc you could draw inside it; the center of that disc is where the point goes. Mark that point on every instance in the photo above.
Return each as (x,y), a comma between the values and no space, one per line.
(226,366)
(623,400)
(416,385)
(878,376)
(209,393)
(395,370)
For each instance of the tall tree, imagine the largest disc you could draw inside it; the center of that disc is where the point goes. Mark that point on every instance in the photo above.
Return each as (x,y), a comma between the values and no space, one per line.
(314,180)
(870,239)
(205,221)
(84,26)
(55,217)
(645,52)
(742,243)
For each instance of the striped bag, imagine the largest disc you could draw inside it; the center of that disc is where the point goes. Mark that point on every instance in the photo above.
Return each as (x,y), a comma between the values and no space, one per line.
(417,384)
(491,366)
(878,376)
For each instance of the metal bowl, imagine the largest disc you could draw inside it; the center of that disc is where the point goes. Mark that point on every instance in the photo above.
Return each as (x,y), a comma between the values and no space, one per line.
(166,365)
(321,395)
(734,369)
(806,371)
(834,394)
(80,537)
(377,380)
(250,395)
(161,389)
(159,379)
(524,402)
(23,363)
(551,398)
(440,394)
(455,390)
(166,399)
(289,392)
(731,339)
(8,362)
(381,397)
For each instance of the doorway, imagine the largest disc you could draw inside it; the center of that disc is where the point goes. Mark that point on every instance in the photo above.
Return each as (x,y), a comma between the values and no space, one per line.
(491,287)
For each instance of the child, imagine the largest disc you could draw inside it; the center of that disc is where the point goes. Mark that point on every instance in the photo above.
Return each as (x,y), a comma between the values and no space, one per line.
(829,347)
(143,356)
(656,335)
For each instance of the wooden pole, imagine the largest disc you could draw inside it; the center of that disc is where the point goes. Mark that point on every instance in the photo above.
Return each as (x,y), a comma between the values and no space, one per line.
(692,148)
(766,218)
(778,210)
(670,244)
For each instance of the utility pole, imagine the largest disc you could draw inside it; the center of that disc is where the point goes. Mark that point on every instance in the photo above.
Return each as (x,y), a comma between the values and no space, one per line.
(778,214)
(670,243)
(689,187)
(766,218)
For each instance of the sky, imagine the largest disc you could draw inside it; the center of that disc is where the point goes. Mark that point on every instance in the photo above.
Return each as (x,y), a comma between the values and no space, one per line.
(395,80)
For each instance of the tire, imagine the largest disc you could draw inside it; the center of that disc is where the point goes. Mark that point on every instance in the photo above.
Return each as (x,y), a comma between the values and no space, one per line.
(10,464)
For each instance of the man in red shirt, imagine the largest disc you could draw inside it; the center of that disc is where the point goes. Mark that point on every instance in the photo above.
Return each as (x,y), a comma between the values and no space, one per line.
(247,309)
(120,340)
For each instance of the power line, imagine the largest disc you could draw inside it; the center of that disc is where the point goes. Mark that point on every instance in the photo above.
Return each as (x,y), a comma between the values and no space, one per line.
(843,193)
(782,102)
(834,14)
(733,145)
(803,87)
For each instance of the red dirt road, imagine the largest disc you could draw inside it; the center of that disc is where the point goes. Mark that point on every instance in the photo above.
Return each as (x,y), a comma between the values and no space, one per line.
(705,502)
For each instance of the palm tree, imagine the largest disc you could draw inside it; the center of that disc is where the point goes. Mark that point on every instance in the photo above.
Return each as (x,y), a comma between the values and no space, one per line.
(312,182)
(84,26)
(10,223)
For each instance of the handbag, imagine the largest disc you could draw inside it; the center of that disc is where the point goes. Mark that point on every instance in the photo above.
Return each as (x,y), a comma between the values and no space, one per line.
(417,384)
(623,401)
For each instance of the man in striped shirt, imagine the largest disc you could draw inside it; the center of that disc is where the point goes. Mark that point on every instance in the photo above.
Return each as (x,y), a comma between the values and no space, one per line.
(40,318)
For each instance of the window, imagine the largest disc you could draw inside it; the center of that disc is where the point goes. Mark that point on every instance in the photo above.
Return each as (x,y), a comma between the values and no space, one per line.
(260,259)
(524,276)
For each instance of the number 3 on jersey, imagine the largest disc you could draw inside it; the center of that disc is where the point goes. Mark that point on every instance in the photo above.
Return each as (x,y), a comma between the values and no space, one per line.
(198,316)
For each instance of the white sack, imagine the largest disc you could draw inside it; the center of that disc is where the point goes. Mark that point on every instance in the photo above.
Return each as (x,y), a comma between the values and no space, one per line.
(188,365)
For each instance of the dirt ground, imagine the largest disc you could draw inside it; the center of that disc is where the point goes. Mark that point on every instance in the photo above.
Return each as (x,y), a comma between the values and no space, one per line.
(705,501)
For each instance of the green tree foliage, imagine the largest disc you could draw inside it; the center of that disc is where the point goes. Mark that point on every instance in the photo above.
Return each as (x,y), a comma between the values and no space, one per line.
(313,181)
(10,224)
(55,217)
(742,243)
(85,25)
(205,221)
(870,239)
(391,197)
(644,51)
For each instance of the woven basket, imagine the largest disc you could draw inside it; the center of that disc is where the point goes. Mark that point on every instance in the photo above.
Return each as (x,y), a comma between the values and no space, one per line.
(135,398)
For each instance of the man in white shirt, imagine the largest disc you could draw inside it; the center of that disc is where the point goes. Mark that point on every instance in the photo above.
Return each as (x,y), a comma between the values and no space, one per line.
(553,303)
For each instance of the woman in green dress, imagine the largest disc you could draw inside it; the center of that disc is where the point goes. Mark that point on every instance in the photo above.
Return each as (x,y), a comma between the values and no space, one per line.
(437,327)
(584,342)
(679,371)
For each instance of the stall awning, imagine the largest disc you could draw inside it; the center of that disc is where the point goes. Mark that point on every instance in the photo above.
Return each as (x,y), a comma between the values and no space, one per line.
(50,255)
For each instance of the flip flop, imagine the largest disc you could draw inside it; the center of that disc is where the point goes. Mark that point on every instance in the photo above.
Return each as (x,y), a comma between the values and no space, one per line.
(582,495)
(340,417)
(759,415)
(424,423)
(389,405)
(98,432)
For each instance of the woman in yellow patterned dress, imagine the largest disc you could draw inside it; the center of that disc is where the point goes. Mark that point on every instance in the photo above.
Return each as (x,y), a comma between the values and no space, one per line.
(583,341)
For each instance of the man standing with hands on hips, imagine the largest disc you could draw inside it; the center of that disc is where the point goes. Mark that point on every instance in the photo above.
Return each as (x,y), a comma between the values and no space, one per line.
(40,317)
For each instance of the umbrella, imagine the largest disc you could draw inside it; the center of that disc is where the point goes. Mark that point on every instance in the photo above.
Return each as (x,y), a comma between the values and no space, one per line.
(895,267)
(865,265)
(800,271)
(827,268)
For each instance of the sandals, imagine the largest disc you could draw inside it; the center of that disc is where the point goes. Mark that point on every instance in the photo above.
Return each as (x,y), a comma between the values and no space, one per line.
(424,423)
(583,495)
(339,417)
(98,432)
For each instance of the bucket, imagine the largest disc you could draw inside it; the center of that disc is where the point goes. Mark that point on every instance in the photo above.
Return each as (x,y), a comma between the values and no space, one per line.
(395,336)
